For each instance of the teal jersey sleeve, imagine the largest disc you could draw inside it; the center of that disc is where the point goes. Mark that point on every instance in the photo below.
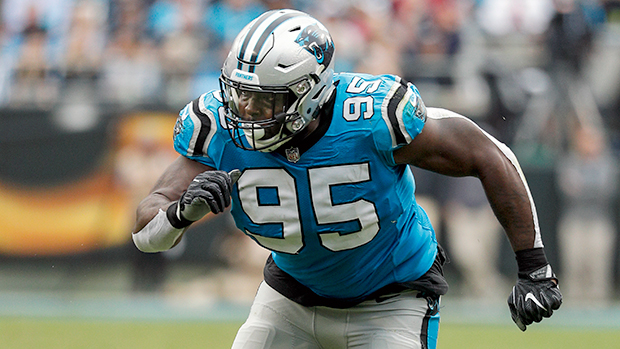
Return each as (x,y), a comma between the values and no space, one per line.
(392,106)
(198,130)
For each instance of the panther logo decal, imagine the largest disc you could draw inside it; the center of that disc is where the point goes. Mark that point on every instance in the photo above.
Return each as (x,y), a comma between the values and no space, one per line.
(317,41)
(178,126)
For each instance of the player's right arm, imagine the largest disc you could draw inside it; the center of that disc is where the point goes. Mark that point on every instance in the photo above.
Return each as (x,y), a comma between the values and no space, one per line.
(190,187)
(184,193)
(168,189)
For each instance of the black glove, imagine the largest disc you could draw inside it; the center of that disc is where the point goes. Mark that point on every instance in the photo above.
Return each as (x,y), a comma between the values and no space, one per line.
(536,294)
(208,192)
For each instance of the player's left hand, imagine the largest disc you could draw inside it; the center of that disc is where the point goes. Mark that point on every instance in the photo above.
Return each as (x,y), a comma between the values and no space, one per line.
(536,295)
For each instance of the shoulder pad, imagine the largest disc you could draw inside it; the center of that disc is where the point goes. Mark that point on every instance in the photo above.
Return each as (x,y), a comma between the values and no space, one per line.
(196,126)
(389,98)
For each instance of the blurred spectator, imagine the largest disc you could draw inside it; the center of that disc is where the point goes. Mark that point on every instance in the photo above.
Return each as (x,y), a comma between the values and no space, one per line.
(33,43)
(33,83)
(175,26)
(279,4)
(474,237)
(569,40)
(612,8)
(131,70)
(222,20)
(86,39)
(350,37)
(588,183)
(571,32)
(129,14)
(500,18)
(52,15)
(383,46)
(362,31)
(430,50)
(439,32)
(226,18)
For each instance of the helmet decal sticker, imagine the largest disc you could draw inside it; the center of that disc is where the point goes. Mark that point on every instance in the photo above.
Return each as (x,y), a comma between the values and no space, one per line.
(258,34)
(317,41)
(248,36)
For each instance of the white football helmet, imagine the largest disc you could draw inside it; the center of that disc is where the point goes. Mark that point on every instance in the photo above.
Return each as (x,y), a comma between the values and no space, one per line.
(283,59)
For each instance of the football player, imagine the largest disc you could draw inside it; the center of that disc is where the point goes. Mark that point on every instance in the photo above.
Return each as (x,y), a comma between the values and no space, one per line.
(316,166)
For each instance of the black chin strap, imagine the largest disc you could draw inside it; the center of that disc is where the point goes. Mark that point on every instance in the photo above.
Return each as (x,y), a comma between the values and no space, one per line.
(280,118)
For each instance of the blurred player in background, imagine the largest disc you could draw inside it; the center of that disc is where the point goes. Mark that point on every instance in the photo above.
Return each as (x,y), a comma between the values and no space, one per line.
(316,165)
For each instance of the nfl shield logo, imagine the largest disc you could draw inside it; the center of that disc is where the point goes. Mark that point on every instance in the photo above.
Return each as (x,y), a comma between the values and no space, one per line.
(292,154)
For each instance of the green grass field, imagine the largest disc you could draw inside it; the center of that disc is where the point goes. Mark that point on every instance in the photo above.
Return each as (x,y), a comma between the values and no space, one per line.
(50,334)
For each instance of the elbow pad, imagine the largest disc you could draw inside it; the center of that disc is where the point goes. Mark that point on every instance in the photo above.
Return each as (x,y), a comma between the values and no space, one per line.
(158,235)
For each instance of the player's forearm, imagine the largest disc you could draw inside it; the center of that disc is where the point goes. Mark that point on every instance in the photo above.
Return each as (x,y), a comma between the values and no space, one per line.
(154,231)
(148,209)
(510,198)
(514,212)
(169,188)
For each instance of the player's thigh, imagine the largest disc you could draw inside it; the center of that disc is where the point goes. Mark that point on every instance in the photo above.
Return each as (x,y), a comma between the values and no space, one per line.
(406,321)
(275,322)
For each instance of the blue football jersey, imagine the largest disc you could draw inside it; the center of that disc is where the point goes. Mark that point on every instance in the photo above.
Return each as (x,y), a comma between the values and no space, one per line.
(342,219)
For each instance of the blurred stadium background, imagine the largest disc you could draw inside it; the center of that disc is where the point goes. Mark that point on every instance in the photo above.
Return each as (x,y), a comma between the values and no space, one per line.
(90,90)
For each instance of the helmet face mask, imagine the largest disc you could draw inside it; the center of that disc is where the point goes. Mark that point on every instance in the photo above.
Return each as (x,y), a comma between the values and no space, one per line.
(277,75)
(265,116)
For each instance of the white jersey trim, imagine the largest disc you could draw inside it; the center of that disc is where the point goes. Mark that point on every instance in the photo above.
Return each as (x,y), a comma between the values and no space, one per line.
(198,145)
(384,112)
(399,115)
(213,124)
